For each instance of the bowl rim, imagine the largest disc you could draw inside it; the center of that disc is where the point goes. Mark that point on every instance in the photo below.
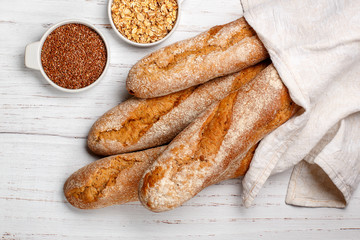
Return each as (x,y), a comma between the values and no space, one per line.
(125,39)
(65,22)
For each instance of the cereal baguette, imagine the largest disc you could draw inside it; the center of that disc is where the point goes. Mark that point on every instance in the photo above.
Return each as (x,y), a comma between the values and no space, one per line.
(208,147)
(138,124)
(108,181)
(217,52)
(115,179)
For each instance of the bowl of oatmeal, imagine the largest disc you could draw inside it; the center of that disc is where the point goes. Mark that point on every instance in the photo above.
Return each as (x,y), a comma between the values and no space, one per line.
(144,23)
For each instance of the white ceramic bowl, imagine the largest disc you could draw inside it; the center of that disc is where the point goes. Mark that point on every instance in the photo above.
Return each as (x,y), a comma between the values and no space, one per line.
(33,55)
(144,44)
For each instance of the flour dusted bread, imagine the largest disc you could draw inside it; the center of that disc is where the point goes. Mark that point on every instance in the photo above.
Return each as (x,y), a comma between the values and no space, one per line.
(115,180)
(209,147)
(138,124)
(108,181)
(217,52)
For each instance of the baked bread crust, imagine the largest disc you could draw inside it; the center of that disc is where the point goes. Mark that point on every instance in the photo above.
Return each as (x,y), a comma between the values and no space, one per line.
(138,124)
(115,180)
(217,52)
(109,181)
(223,134)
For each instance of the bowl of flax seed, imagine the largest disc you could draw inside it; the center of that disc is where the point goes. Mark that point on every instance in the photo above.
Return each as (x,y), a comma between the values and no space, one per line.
(72,56)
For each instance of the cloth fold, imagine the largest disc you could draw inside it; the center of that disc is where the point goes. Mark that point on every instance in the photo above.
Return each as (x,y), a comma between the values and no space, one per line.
(315,47)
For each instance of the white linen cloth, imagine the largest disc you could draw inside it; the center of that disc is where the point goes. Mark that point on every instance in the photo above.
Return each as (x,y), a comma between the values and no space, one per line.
(315,46)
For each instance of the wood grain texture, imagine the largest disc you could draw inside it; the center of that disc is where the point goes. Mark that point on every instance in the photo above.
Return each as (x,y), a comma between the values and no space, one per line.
(43,140)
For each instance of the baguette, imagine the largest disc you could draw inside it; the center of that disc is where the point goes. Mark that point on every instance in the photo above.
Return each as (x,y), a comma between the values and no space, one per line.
(217,52)
(108,181)
(208,147)
(138,124)
(115,180)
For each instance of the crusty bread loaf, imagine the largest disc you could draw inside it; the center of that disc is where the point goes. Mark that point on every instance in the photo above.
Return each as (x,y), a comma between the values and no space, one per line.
(115,180)
(108,181)
(208,147)
(143,123)
(217,52)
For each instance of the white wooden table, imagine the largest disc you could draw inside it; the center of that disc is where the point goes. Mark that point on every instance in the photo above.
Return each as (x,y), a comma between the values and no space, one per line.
(43,140)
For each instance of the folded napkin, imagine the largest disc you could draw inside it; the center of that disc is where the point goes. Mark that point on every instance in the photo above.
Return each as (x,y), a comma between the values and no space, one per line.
(315,46)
